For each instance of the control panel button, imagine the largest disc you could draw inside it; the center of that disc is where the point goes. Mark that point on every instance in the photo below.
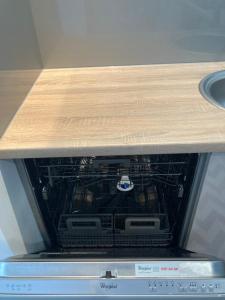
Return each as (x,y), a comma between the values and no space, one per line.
(211,287)
(182,288)
(217,286)
(153,287)
(193,287)
(203,287)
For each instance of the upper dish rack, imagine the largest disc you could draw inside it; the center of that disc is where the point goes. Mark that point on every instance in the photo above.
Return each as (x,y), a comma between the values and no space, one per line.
(166,171)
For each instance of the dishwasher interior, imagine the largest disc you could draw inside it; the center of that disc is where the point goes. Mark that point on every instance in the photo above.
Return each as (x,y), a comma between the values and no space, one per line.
(116,225)
(112,202)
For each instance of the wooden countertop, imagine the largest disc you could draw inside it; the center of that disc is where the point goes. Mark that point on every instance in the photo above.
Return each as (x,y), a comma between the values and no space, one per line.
(116,110)
(14,86)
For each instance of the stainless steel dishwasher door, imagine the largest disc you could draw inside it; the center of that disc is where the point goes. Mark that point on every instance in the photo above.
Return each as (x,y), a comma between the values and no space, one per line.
(188,276)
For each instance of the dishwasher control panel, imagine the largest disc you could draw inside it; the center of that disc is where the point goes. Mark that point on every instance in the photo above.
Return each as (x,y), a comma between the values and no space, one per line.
(111,286)
(186,286)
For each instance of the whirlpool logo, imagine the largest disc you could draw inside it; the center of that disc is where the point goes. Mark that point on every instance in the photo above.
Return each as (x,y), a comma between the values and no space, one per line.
(108,286)
(145,268)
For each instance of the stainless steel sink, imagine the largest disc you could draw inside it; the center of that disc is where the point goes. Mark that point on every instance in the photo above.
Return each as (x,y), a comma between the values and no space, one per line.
(212,88)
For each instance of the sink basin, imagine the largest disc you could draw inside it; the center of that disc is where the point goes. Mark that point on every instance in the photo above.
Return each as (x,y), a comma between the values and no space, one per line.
(212,88)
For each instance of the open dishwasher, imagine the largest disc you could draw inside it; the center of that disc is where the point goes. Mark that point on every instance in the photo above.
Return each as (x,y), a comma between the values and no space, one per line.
(115,225)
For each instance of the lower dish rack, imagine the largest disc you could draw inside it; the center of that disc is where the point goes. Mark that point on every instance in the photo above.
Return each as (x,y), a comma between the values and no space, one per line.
(114,231)
(137,228)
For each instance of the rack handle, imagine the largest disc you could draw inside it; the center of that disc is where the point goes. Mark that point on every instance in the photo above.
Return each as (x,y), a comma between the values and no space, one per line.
(142,225)
(83,224)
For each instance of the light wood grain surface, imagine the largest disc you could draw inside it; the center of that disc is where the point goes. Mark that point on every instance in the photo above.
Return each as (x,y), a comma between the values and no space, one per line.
(116,110)
(14,86)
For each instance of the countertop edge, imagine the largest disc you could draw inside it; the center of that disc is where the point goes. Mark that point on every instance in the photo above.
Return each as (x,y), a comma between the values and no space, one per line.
(111,150)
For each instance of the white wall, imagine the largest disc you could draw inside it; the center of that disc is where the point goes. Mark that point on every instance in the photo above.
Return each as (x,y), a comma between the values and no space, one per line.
(20,60)
(19,48)
(105,32)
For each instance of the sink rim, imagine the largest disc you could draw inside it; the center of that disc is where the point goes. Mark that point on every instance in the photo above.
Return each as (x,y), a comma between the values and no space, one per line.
(207,82)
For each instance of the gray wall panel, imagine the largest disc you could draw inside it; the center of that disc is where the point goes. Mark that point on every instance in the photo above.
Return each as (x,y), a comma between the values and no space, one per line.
(74,33)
